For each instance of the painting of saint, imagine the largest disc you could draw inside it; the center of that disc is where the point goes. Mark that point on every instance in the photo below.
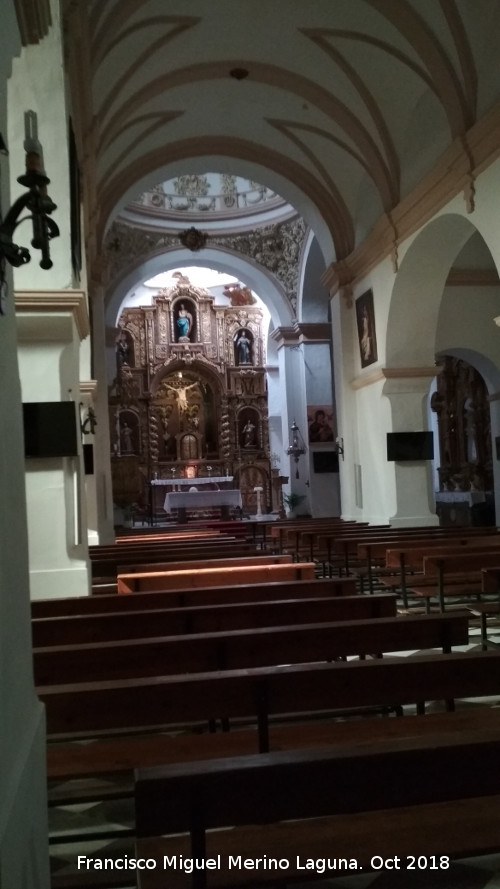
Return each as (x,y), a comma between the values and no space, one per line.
(365,317)
(320,423)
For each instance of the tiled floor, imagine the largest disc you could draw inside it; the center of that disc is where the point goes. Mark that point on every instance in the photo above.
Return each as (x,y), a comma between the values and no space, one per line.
(106,830)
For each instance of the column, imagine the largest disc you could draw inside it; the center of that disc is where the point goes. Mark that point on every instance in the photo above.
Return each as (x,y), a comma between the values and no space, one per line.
(50,328)
(407,390)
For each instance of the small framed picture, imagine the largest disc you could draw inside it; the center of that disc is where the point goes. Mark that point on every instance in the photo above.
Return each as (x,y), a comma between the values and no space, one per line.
(365,317)
(320,423)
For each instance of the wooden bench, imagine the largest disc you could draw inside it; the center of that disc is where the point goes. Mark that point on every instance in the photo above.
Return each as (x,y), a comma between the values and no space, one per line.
(276,703)
(106,564)
(414,800)
(206,577)
(372,549)
(251,647)
(291,589)
(410,556)
(256,694)
(469,566)
(169,621)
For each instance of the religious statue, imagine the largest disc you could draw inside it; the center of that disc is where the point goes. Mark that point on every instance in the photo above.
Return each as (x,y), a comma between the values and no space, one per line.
(248,435)
(184,323)
(181,395)
(243,347)
(127,445)
(122,350)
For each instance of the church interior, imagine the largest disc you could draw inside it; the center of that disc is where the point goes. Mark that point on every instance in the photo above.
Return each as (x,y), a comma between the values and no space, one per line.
(249,296)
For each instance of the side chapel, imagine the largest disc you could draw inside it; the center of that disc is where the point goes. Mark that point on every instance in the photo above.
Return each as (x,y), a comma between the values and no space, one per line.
(189,399)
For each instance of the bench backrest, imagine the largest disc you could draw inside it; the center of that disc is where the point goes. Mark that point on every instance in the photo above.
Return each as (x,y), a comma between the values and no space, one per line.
(108,626)
(253,647)
(413,554)
(206,577)
(447,562)
(185,565)
(288,589)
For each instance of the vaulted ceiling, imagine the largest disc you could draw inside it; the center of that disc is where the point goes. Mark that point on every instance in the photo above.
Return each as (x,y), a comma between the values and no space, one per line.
(341,106)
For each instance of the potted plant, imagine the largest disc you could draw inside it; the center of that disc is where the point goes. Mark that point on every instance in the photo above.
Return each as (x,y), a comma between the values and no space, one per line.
(292,501)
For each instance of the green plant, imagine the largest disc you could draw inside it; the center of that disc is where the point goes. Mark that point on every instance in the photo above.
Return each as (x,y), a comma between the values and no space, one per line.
(292,500)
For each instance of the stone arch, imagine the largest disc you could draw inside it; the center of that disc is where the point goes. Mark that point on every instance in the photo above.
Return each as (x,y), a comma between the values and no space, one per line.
(308,198)
(255,276)
(418,290)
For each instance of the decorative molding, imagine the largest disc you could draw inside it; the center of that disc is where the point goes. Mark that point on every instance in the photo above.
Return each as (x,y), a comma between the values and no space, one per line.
(406,373)
(276,248)
(71,301)
(285,336)
(88,387)
(473,278)
(393,373)
(34,20)
(314,333)
(367,379)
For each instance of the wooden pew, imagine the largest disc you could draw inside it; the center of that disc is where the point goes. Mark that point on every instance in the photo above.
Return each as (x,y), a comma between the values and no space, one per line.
(251,647)
(409,555)
(292,589)
(168,621)
(323,803)
(444,565)
(371,549)
(105,564)
(206,577)
(87,709)
(259,696)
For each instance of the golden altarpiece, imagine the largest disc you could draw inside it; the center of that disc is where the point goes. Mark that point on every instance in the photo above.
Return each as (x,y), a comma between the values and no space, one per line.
(190,398)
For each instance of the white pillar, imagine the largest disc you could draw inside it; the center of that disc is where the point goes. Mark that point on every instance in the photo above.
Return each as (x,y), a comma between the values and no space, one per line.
(407,391)
(50,328)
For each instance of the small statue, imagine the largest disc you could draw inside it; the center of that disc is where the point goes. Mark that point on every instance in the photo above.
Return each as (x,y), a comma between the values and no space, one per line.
(248,434)
(243,346)
(184,323)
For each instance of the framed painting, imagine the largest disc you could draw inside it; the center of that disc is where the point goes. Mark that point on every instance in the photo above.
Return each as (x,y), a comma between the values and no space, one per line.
(365,317)
(320,423)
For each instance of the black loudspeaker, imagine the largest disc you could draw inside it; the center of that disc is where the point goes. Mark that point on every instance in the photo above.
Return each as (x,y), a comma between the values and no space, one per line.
(88,459)
(50,429)
(410,446)
(325,461)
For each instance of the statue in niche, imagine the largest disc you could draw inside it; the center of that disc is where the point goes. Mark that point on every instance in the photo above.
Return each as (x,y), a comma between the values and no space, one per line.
(126,439)
(248,433)
(184,324)
(122,350)
(244,348)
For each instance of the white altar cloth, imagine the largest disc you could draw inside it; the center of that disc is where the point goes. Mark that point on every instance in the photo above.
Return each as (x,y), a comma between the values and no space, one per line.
(189,482)
(201,499)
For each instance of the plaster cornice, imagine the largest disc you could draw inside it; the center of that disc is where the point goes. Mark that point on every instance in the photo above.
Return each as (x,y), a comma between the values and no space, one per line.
(314,333)
(47,301)
(88,387)
(285,336)
(302,333)
(393,373)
